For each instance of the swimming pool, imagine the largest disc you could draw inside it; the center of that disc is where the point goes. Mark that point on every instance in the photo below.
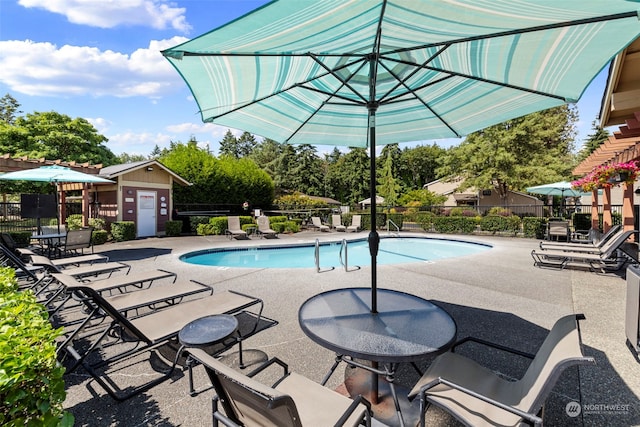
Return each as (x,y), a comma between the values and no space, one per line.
(392,251)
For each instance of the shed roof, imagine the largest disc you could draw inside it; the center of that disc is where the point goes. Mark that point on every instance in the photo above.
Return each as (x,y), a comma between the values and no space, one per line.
(115,171)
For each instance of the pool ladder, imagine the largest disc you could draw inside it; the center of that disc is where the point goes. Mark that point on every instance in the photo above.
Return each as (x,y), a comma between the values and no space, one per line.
(397,232)
(345,264)
(316,255)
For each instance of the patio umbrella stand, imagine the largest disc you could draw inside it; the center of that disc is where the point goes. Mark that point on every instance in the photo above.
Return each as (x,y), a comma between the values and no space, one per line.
(369,73)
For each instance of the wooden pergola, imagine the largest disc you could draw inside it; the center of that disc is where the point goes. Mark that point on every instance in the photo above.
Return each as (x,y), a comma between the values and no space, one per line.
(12,164)
(620,106)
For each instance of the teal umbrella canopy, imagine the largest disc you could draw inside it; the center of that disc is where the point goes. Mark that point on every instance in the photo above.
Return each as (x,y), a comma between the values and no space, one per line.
(365,73)
(561,188)
(54,174)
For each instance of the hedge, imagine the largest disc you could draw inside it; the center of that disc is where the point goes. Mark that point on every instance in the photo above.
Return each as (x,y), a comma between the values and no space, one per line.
(31,384)
(123,230)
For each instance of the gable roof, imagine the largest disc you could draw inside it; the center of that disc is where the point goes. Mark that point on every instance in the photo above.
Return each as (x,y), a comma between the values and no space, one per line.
(111,172)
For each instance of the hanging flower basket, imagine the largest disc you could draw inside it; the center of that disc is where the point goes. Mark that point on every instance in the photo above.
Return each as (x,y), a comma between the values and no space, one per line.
(607,176)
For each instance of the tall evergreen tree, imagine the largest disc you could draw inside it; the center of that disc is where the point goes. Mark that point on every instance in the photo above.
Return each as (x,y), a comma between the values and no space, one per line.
(229,146)
(388,186)
(597,136)
(9,109)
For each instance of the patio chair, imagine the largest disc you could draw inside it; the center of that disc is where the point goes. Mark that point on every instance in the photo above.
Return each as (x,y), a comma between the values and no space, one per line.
(75,242)
(126,338)
(9,242)
(609,257)
(336,222)
(478,396)
(355,223)
(234,229)
(293,401)
(583,245)
(558,230)
(317,223)
(264,227)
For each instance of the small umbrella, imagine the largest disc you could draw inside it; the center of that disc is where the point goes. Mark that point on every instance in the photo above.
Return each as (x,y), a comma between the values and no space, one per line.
(54,174)
(366,73)
(561,188)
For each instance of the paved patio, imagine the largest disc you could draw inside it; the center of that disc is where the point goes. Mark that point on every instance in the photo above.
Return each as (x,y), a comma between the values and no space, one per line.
(497,295)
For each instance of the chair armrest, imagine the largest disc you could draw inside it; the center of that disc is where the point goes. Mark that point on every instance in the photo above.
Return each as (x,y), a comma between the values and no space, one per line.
(265,365)
(525,415)
(357,401)
(218,416)
(493,345)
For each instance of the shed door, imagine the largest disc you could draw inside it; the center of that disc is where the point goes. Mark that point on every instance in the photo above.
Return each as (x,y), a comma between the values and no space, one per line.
(146,217)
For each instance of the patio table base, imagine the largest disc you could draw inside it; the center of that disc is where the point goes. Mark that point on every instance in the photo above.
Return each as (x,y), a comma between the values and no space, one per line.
(358,381)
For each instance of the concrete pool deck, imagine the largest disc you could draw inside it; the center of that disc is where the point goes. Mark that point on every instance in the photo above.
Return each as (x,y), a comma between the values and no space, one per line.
(497,295)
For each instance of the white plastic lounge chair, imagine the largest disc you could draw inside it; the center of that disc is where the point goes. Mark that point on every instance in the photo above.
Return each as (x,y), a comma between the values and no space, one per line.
(264,227)
(234,229)
(605,259)
(317,223)
(293,401)
(586,246)
(336,222)
(355,223)
(126,338)
(478,396)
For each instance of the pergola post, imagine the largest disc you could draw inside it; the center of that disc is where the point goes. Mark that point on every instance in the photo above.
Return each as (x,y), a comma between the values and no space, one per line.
(595,222)
(628,221)
(606,209)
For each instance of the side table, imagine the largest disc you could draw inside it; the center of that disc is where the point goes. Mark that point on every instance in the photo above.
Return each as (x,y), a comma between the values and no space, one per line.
(204,332)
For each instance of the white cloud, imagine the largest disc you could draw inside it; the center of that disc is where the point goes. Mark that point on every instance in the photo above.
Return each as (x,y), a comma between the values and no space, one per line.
(158,14)
(46,70)
(102,125)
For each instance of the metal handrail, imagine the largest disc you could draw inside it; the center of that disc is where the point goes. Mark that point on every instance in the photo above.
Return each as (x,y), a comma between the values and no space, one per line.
(389,222)
(345,264)
(316,255)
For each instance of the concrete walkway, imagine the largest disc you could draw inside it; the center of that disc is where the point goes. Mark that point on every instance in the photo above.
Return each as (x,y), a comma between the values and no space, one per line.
(497,295)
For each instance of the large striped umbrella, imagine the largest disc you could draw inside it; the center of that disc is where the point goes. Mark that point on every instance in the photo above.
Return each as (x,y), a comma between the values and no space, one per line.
(364,73)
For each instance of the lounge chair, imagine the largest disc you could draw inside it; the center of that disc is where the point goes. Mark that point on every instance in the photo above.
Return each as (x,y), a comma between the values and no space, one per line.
(336,222)
(293,401)
(125,338)
(83,272)
(587,245)
(317,223)
(355,223)
(605,259)
(264,228)
(234,229)
(478,396)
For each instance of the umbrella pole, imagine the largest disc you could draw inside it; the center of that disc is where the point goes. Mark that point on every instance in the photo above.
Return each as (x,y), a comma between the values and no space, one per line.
(374,238)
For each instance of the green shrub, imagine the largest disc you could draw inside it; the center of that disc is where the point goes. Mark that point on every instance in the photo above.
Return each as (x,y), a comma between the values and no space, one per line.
(31,383)
(424,219)
(173,228)
(278,218)
(218,225)
(74,222)
(533,227)
(396,218)
(278,227)
(205,229)
(195,221)
(454,224)
(291,227)
(123,230)
(381,220)
(97,223)
(99,237)
(498,223)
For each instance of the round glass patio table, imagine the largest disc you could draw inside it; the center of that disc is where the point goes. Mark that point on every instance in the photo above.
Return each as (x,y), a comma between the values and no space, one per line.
(406,328)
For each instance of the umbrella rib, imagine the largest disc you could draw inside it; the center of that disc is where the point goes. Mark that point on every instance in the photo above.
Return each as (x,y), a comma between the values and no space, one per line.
(625,15)
(345,82)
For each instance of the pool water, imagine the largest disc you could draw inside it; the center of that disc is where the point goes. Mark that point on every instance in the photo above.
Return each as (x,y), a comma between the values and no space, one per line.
(392,251)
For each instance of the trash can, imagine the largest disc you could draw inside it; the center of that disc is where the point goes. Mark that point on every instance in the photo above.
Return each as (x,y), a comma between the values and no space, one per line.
(632,316)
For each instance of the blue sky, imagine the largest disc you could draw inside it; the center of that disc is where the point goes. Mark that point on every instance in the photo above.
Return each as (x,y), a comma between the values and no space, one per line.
(101,60)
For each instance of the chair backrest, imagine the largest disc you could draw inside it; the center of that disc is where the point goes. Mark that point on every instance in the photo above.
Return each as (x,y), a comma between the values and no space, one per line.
(8,241)
(562,348)
(558,228)
(52,229)
(78,239)
(247,401)
(233,223)
(356,221)
(336,219)
(316,221)
(263,223)
(615,242)
(609,234)
(9,259)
